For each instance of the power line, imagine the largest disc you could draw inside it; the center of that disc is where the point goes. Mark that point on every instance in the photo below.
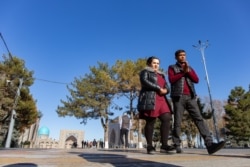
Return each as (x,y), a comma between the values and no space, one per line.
(6,46)
(45,80)
(55,82)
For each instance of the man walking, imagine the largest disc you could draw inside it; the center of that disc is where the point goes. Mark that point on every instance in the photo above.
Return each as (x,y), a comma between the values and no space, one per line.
(182,78)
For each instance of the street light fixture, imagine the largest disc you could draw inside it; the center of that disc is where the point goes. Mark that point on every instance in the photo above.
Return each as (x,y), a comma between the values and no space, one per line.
(201,47)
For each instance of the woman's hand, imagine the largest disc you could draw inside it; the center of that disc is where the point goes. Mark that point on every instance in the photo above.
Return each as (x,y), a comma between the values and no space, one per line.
(163,91)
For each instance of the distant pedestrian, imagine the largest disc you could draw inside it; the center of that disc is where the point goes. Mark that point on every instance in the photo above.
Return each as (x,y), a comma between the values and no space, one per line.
(75,144)
(125,125)
(101,144)
(94,143)
(82,143)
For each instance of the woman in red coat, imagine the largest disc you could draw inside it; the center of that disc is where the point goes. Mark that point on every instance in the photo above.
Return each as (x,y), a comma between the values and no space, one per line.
(153,104)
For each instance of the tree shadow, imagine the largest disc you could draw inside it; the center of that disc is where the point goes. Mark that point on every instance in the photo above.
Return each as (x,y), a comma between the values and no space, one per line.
(21,165)
(218,154)
(133,151)
(118,160)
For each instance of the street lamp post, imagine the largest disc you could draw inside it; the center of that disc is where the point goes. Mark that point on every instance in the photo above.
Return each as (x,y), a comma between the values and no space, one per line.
(201,47)
(13,115)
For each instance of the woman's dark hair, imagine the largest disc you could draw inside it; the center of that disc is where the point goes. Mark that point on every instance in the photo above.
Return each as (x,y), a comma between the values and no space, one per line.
(150,59)
(179,51)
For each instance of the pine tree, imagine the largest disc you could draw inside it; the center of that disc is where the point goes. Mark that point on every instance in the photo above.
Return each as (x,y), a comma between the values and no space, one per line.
(238,115)
(12,71)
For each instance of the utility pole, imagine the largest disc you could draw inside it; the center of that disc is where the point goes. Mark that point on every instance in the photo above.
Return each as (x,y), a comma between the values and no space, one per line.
(13,111)
(201,47)
(13,115)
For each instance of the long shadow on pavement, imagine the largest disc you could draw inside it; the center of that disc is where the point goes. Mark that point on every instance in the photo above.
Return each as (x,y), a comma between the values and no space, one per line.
(119,160)
(224,154)
(21,165)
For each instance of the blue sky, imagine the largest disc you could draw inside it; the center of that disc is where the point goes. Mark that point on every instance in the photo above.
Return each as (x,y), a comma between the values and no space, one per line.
(60,39)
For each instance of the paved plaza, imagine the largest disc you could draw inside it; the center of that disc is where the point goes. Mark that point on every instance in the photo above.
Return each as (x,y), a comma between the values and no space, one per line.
(122,158)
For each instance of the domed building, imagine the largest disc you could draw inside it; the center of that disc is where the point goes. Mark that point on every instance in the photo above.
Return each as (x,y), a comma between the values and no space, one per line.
(37,136)
(43,140)
(66,140)
(43,132)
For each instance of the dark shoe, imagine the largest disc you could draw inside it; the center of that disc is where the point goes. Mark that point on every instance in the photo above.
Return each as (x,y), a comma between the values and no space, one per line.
(178,150)
(167,148)
(150,150)
(215,147)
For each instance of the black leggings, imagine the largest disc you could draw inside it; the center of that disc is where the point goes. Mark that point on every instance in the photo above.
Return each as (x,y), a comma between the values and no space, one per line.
(164,129)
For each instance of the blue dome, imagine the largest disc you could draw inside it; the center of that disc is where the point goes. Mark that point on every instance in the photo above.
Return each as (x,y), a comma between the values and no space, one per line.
(43,131)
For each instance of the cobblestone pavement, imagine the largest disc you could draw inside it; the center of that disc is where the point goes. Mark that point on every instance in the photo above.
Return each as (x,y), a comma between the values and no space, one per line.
(122,158)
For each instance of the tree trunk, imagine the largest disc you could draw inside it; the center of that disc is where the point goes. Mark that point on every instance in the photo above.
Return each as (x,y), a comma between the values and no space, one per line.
(139,134)
(106,136)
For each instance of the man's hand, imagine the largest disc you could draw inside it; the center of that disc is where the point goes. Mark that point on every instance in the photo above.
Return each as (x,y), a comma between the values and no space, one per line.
(185,67)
